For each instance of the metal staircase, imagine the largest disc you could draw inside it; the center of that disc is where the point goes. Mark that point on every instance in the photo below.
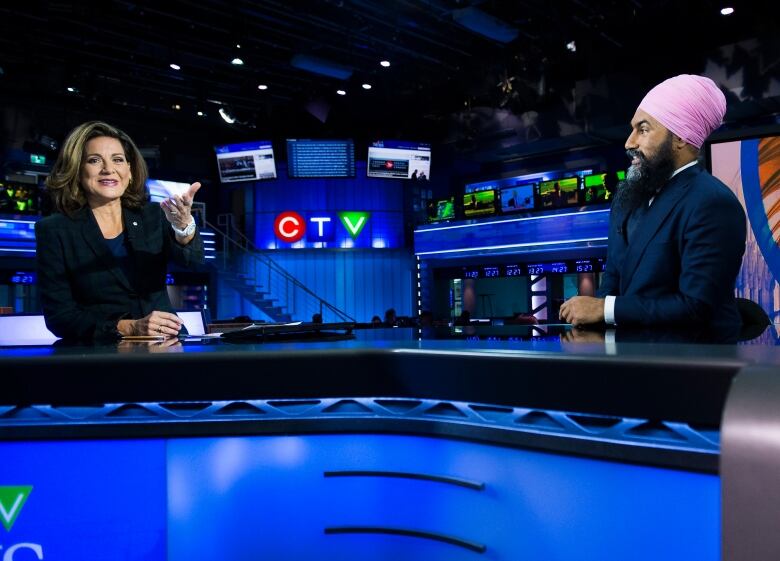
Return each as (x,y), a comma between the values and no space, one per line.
(264,283)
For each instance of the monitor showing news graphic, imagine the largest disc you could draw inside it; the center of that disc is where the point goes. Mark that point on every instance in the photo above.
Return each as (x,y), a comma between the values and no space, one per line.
(517,198)
(599,187)
(250,161)
(479,204)
(750,167)
(393,159)
(439,211)
(558,193)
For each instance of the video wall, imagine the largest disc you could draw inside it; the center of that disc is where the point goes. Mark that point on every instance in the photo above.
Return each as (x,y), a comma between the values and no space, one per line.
(522,194)
(751,169)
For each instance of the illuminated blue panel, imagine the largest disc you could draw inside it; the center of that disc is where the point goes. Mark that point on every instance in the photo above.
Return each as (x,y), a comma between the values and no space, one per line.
(89,499)
(568,230)
(17,237)
(269,498)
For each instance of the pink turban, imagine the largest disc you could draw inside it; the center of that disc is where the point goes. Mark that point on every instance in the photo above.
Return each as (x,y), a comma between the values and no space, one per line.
(690,106)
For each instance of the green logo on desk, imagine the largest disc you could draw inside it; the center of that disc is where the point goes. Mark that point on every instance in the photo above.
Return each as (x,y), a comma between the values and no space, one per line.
(12,499)
(354,221)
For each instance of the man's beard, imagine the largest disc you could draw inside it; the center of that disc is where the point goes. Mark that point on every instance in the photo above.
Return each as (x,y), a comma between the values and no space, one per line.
(643,181)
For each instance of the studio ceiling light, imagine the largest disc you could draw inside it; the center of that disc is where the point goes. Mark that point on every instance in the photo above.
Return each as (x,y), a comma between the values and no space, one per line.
(341,92)
(237,61)
(727,11)
(227,117)
(366,86)
(385,63)
(175,66)
(262,87)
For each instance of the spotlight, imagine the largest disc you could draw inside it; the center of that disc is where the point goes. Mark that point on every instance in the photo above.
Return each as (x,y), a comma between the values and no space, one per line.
(366,86)
(727,11)
(262,87)
(385,63)
(201,114)
(571,46)
(175,66)
(227,117)
(237,61)
(71,89)
(238,45)
(176,107)
(341,92)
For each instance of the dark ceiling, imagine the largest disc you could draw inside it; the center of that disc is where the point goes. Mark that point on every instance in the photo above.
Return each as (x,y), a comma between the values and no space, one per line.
(116,57)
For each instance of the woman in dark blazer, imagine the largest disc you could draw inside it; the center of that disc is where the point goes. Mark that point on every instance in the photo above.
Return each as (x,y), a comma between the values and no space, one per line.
(102,257)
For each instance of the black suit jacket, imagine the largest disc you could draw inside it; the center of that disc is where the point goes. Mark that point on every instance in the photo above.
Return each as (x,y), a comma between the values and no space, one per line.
(681,263)
(84,292)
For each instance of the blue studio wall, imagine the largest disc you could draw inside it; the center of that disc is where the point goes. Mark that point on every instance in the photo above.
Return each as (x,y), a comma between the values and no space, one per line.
(364,274)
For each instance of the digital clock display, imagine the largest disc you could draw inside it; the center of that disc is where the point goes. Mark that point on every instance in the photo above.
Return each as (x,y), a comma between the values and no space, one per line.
(490,272)
(559,268)
(21,277)
(584,266)
(471,273)
(514,271)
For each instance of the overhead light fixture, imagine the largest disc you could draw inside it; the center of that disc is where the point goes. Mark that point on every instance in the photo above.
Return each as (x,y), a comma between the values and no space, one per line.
(366,86)
(238,45)
(341,92)
(385,63)
(727,11)
(201,114)
(227,117)
(237,61)
(176,107)
(571,46)
(262,87)
(71,89)
(175,66)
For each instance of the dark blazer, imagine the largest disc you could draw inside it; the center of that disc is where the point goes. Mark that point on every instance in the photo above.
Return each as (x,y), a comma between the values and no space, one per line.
(681,263)
(84,292)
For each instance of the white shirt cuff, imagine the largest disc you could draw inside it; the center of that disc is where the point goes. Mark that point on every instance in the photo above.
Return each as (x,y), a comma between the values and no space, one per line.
(609,309)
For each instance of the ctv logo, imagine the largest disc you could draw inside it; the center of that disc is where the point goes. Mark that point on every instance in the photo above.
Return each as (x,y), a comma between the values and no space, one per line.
(290,226)
(12,499)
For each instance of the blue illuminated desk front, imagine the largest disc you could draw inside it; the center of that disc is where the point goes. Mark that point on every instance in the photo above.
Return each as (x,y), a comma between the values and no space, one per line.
(386,447)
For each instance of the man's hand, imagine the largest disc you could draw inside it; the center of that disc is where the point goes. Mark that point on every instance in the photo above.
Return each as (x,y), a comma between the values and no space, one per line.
(582,310)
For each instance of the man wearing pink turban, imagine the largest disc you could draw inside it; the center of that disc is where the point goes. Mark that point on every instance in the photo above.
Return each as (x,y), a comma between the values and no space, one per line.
(677,234)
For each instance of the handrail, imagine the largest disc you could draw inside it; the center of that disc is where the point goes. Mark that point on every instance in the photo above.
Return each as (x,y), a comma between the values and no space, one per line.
(246,245)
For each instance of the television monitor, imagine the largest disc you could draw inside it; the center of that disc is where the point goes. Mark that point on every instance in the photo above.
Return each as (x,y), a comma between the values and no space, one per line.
(159,190)
(479,203)
(393,159)
(320,158)
(516,198)
(19,198)
(442,210)
(599,187)
(558,193)
(249,161)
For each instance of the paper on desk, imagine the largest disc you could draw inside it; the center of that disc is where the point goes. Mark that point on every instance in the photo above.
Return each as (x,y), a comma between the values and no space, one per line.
(256,325)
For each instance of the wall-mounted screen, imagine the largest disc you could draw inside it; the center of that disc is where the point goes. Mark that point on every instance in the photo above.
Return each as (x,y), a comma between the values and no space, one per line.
(395,159)
(599,187)
(479,204)
(18,198)
(439,211)
(519,197)
(558,193)
(249,161)
(159,190)
(320,158)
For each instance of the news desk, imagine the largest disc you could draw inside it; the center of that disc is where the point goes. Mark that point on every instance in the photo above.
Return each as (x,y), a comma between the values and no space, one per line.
(465,443)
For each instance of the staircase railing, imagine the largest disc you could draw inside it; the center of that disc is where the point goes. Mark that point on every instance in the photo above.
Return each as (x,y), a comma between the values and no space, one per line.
(239,256)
